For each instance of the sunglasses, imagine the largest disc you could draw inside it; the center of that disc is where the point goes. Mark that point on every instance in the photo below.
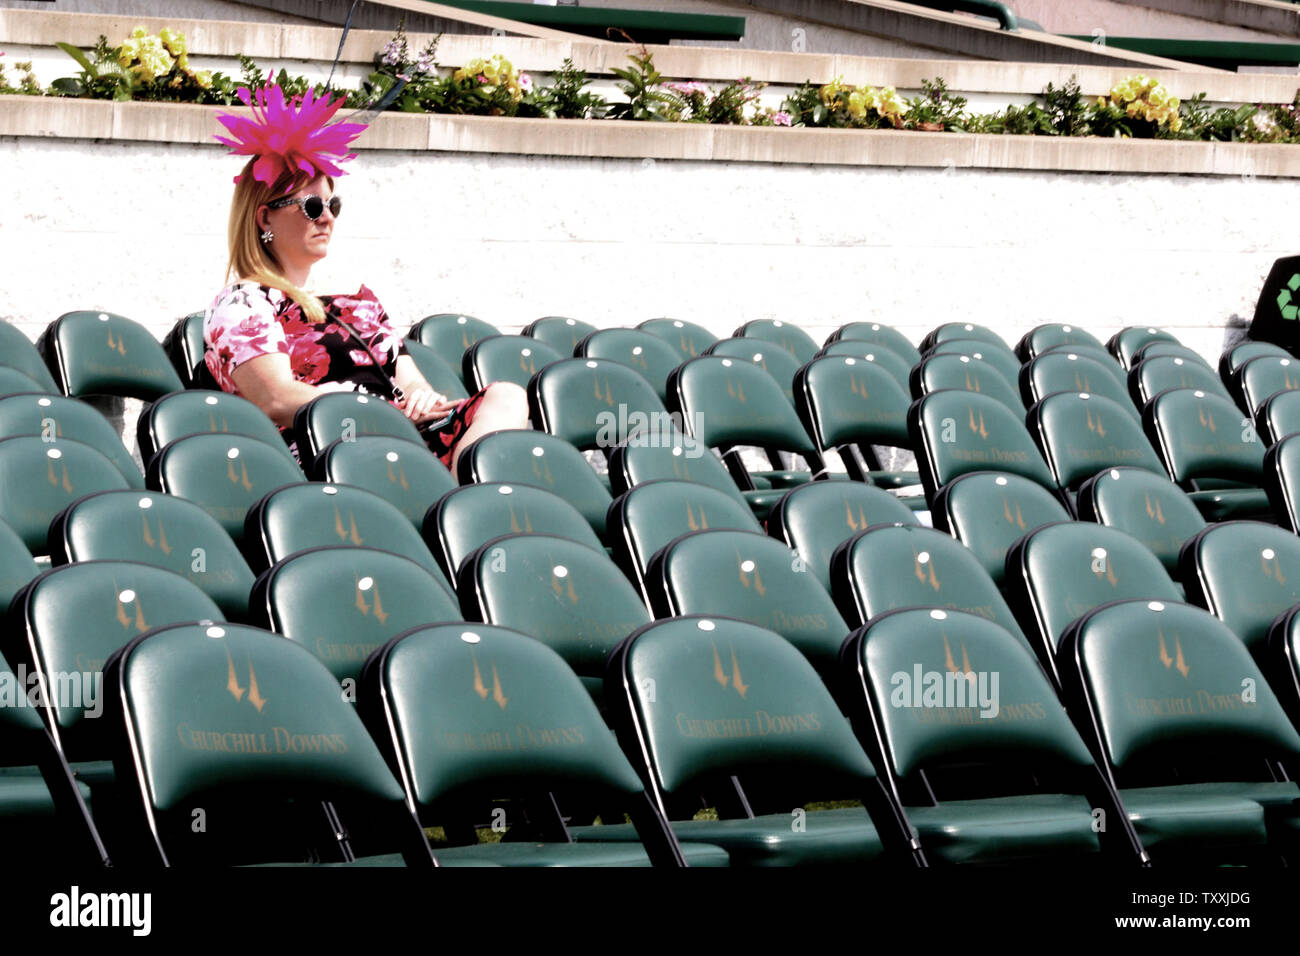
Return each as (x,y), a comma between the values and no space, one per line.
(313,207)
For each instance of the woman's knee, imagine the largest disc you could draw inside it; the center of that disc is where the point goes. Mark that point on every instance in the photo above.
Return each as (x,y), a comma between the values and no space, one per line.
(507,400)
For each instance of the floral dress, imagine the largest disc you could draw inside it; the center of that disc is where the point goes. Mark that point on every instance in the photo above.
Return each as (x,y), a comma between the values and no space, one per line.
(247,320)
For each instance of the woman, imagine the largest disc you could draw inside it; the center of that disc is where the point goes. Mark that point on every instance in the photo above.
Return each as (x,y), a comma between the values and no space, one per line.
(279,346)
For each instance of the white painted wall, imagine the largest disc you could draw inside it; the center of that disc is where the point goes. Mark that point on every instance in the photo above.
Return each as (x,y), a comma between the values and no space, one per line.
(140,229)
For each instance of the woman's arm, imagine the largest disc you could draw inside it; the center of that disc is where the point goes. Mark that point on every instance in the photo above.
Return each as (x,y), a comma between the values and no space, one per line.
(423,403)
(267,381)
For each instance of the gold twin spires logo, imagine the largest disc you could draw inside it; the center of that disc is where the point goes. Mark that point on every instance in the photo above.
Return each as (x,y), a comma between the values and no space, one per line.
(924,570)
(734,678)
(1081,383)
(950,665)
(856,387)
(855,523)
(736,391)
(1207,418)
(1177,661)
(702,524)
(1271,568)
(514,523)
(1108,573)
(481,688)
(757,582)
(563,586)
(212,423)
(607,396)
(232,684)
(399,478)
(119,346)
(1094,423)
(377,605)
(56,479)
(542,469)
(977,429)
(349,533)
(241,478)
(124,617)
(149,541)
(1155,512)
(688,345)
(975,387)
(1017,519)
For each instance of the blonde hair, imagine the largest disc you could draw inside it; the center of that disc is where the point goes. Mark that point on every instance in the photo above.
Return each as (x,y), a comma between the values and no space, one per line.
(250,258)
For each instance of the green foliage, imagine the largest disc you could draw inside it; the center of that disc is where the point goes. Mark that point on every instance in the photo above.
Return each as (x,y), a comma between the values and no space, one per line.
(640,86)
(1028,120)
(28,85)
(565,98)
(936,108)
(1065,109)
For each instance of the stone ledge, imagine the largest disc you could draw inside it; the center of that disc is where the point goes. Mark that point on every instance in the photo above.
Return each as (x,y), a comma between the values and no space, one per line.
(27,117)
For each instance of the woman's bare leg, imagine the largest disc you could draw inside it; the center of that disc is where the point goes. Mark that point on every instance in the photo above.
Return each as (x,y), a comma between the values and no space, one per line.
(504,406)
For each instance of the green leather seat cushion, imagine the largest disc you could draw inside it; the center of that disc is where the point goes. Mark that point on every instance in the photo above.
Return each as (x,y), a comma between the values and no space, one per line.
(617,854)
(1195,815)
(1005,828)
(1232,504)
(24,796)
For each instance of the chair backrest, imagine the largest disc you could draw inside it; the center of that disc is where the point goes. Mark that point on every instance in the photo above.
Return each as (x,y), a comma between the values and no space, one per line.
(505,358)
(1079,434)
(777,362)
(596,403)
(1057,574)
(955,432)
(559,332)
(1262,377)
(1163,681)
(877,355)
(522,457)
(1245,573)
(1149,377)
(469,516)
(1243,352)
(1101,356)
(1170,350)
(996,354)
(906,566)
(69,621)
(988,512)
(649,516)
(1282,481)
(789,337)
(410,479)
(753,578)
(845,400)
(815,518)
(224,474)
(688,338)
(674,458)
(676,679)
(185,346)
(342,604)
(1278,417)
(877,334)
(967,373)
(1041,338)
(99,353)
(166,532)
(203,412)
(1202,435)
(1147,506)
(649,356)
(450,334)
(1127,342)
(229,712)
(437,371)
(38,479)
(994,705)
(17,352)
(54,417)
(346,416)
(1063,371)
(567,595)
(14,382)
(17,566)
(727,401)
(960,330)
(318,515)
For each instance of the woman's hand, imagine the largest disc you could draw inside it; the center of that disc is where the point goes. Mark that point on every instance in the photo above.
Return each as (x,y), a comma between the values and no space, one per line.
(424,405)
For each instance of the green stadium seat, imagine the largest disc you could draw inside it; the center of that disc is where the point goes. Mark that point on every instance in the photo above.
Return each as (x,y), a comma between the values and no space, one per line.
(449,335)
(505,358)
(14,382)
(54,417)
(224,474)
(1150,377)
(951,331)
(1282,481)
(409,479)
(1242,573)
(1204,440)
(38,479)
(1259,379)
(1236,356)
(681,458)
(185,346)
(1080,434)
(815,519)
(1145,505)
(1159,691)
(156,529)
(1101,356)
(959,714)
(559,332)
(988,512)
(17,566)
(346,416)
(1282,666)
(647,355)
(99,353)
(651,515)
(776,362)
(264,737)
(1066,371)
(1127,342)
(789,337)
(965,373)
(877,334)
(877,355)
(997,355)
(955,432)
(468,517)
(198,412)
(905,566)
(523,457)
(18,353)
(343,604)
(687,338)
(437,371)
(753,578)
(419,687)
(782,743)
(1168,350)
(1278,417)
(1041,338)
(596,403)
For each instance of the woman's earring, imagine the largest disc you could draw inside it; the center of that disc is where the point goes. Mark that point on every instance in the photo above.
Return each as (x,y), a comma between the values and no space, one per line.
(267,236)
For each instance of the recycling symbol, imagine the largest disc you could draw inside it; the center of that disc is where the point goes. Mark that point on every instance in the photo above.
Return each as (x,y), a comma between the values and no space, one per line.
(1289,308)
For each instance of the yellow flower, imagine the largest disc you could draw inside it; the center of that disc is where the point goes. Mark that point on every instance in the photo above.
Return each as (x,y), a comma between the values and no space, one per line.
(175,42)
(203,78)
(857,104)
(139,32)
(127,52)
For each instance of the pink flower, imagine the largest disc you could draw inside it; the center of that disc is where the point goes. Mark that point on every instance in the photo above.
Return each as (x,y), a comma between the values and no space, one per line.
(782,119)
(525,82)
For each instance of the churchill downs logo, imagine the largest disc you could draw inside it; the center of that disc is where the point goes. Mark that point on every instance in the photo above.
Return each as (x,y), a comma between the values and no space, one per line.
(755,723)
(958,687)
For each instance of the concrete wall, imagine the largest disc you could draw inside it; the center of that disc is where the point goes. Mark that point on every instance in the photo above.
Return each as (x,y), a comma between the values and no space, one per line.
(1122,19)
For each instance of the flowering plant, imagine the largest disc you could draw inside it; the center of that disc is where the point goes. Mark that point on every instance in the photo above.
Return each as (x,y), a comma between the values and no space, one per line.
(145,66)
(1139,107)
(842,105)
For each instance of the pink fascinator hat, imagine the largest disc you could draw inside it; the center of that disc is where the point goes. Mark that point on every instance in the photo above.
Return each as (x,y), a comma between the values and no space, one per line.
(288,135)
